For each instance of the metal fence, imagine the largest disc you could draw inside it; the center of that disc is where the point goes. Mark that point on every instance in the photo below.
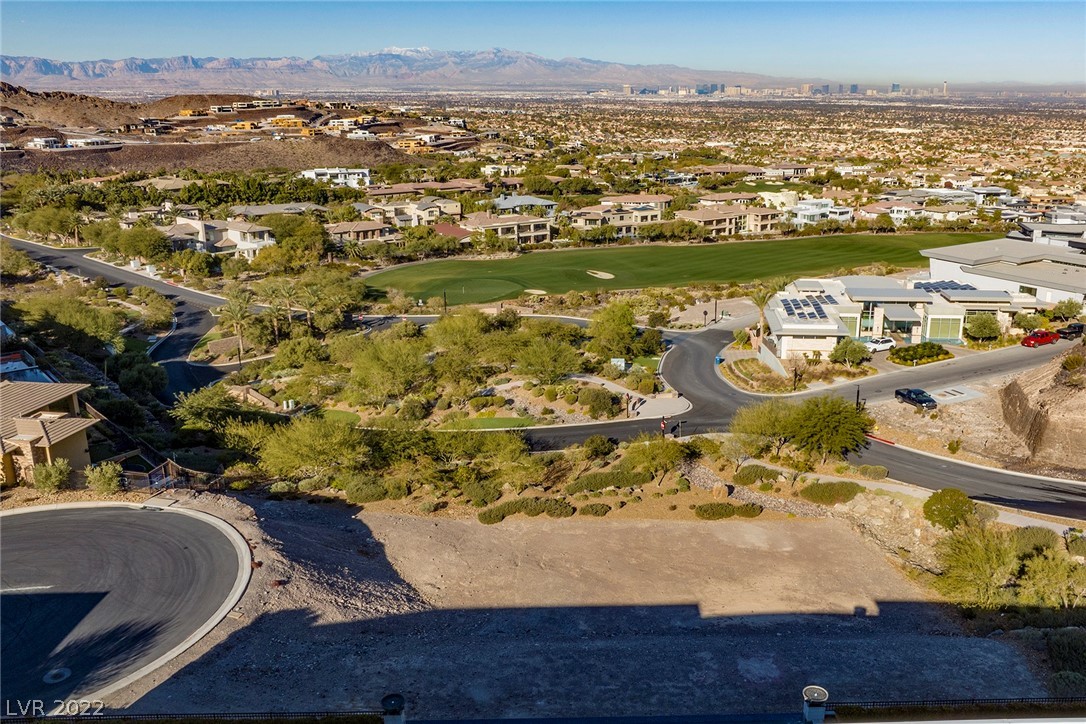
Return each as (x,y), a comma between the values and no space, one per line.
(960,703)
(244,716)
(171,475)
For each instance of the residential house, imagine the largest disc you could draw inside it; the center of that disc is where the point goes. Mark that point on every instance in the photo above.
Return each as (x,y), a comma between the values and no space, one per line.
(787,171)
(523,229)
(812,211)
(660,202)
(41,422)
(361,231)
(947,212)
(514,204)
(898,211)
(258,210)
(728,198)
(339,177)
(625,220)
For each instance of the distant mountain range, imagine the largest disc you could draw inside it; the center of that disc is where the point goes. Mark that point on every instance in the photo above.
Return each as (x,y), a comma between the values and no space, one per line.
(391,68)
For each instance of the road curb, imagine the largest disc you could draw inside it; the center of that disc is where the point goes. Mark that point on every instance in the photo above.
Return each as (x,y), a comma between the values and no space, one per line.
(245,571)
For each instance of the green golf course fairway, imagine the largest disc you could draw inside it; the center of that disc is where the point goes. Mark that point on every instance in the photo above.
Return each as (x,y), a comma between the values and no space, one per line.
(634,267)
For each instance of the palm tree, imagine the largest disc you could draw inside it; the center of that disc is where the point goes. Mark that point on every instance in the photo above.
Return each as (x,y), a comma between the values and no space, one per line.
(760,295)
(354,250)
(237,314)
(272,292)
(309,295)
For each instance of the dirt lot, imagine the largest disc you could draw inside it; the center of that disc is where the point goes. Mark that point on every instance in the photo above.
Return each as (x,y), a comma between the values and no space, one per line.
(545,618)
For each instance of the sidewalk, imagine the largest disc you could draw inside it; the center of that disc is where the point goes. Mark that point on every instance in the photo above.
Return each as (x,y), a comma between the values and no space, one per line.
(658,405)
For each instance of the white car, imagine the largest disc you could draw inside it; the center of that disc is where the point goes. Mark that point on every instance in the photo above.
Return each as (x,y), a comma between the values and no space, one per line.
(880,344)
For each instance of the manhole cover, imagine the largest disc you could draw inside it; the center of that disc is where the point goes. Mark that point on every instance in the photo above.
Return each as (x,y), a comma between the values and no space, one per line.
(56,676)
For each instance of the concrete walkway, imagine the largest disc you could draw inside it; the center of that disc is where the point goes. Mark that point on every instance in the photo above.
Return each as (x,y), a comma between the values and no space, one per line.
(648,406)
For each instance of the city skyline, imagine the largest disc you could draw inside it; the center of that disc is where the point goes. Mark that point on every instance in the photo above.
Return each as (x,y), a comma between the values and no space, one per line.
(866,43)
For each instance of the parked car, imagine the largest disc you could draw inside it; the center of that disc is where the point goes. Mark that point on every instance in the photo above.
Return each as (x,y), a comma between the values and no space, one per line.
(880,344)
(916,398)
(1040,337)
(1072,331)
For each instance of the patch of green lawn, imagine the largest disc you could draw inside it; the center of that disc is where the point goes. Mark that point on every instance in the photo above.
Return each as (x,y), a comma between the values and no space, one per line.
(488,423)
(634,267)
(649,363)
(209,337)
(341,416)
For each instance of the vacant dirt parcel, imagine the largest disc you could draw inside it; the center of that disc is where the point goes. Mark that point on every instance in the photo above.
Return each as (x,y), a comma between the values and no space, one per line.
(569,617)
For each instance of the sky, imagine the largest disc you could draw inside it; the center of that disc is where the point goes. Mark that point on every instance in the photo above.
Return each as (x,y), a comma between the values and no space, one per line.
(1018,41)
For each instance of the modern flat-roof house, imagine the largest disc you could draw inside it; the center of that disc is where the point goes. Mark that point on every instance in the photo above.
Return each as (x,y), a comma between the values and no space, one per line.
(812,211)
(1049,273)
(812,315)
(39,423)
(344,177)
(524,229)
(411,212)
(728,198)
(721,221)
(258,210)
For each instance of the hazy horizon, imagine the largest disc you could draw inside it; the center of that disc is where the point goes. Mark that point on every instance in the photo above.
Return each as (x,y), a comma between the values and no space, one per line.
(912,43)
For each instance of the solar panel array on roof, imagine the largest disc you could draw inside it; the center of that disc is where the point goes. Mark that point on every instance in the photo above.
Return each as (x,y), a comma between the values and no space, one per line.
(941,286)
(808,307)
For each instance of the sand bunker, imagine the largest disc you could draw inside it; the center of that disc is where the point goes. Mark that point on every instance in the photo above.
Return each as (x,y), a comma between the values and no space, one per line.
(534,291)
(600,275)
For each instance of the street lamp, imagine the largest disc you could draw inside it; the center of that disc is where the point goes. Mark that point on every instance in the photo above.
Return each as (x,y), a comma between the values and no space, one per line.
(705,314)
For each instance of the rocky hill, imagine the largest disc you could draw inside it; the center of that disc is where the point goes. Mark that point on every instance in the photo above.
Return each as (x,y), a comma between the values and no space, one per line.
(1046,408)
(294,155)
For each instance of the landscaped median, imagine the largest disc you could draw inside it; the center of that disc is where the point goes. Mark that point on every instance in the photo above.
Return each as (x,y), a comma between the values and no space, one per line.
(919,354)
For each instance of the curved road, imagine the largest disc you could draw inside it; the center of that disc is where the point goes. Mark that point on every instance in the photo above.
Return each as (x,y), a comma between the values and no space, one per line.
(92,595)
(689,368)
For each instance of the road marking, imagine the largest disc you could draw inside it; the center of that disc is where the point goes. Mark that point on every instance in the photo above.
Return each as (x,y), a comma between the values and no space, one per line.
(24,588)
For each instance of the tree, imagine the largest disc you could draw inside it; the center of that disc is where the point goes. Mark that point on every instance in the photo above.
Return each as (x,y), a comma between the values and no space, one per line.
(655,454)
(849,352)
(883,224)
(1028,322)
(547,360)
(598,446)
(14,262)
(1067,309)
(761,294)
(105,478)
(762,426)
(237,315)
(612,331)
(948,508)
(977,562)
(600,402)
(313,447)
(830,425)
(52,477)
(983,326)
(208,408)
(389,368)
(294,353)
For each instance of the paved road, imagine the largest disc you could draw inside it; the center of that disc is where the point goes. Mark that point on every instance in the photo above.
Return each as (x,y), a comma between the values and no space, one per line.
(102,592)
(689,368)
(191,308)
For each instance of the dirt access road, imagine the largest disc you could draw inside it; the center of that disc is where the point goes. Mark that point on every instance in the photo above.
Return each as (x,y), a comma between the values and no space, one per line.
(538,617)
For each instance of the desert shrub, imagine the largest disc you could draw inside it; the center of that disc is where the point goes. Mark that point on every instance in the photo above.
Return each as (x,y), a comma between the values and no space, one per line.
(54,476)
(831,493)
(550,394)
(748,510)
(365,490)
(872,472)
(919,353)
(478,403)
(529,506)
(1067,650)
(1076,545)
(429,506)
(948,507)
(414,408)
(713,511)
(481,491)
(598,446)
(742,337)
(954,445)
(682,485)
(104,478)
(600,402)
(312,485)
(646,386)
(751,474)
(765,487)
(529,386)
(283,486)
(614,478)
(1034,539)
(594,509)
(1073,362)
(1068,683)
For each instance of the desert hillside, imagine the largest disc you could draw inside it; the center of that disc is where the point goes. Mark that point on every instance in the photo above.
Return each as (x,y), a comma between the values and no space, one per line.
(1046,408)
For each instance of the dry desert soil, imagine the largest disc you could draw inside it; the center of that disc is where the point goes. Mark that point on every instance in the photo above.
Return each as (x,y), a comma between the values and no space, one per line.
(536,617)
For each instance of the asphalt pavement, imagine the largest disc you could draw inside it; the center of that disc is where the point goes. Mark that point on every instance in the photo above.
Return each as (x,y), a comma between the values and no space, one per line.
(88,596)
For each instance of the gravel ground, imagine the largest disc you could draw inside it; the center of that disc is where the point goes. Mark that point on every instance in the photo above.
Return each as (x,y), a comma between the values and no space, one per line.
(572,617)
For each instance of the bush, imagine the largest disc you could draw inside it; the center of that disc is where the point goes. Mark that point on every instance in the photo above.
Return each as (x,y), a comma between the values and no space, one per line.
(750,474)
(765,487)
(1076,545)
(919,353)
(312,485)
(550,394)
(1067,650)
(481,492)
(1068,683)
(614,478)
(429,506)
(365,490)
(646,386)
(872,472)
(718,511)
(105,478)
(1073,362)
(948,507)
(52,477)
(478,403)
(570,398)
(600,402)
(831,493)
(1034,539)
(595,509)
(598,446)
(954,446)
(529,506)
(283,486)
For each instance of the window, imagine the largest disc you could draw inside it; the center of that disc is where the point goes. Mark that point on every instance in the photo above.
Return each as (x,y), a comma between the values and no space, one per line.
(1023,289)
(944,328)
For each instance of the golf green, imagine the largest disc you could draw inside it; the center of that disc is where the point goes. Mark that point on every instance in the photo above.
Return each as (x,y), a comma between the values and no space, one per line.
(633,267)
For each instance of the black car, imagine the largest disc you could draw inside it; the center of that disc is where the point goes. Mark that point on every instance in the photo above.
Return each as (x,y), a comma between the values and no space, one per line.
(917,398)
(1072,331)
